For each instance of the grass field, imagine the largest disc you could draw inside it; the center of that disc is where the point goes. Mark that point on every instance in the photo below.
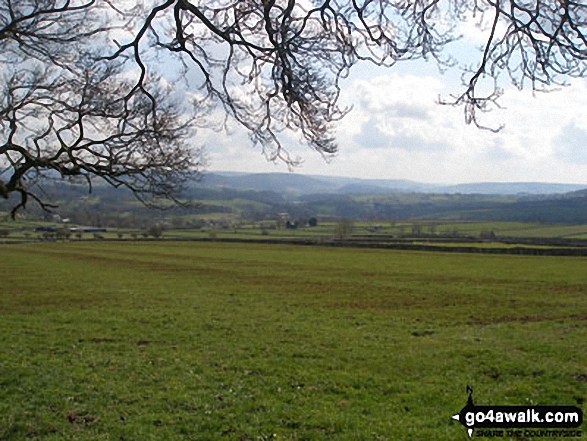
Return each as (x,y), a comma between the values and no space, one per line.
(213,341)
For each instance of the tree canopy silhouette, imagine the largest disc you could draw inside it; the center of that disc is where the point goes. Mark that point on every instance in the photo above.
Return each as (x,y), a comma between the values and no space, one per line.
(115,90)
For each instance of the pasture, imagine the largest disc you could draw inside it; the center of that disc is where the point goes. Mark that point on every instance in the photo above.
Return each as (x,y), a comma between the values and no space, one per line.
(211,341)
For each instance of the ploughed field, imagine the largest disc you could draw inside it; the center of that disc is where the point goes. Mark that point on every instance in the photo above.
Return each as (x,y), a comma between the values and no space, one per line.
(212,341)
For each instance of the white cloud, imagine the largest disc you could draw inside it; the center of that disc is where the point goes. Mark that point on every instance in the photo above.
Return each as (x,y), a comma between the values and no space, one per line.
(571,144)
(370,136)
(397,130)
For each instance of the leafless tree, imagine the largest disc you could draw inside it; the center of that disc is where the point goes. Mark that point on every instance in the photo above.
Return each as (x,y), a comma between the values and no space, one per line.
(343,229)
(67,111)
(98,88)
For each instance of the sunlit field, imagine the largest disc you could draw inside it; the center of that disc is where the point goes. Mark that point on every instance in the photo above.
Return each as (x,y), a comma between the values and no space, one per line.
(211,341)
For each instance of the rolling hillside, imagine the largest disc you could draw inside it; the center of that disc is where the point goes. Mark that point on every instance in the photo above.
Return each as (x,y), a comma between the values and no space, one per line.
(233,196)
(297,184)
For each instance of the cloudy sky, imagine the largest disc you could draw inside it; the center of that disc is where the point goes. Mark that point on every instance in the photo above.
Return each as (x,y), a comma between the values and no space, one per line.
(397,130)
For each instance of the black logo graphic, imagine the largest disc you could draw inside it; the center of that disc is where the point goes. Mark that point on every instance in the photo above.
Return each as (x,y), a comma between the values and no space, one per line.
(516,417)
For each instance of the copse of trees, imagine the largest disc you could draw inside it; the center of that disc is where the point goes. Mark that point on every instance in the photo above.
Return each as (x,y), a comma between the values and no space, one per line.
(156,230)
(114,91)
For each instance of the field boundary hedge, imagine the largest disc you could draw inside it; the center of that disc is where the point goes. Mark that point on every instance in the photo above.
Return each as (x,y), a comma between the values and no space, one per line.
(573,250)
(406,246)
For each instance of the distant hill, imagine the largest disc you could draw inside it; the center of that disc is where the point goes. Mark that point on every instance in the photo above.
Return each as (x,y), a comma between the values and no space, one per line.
(360,188)
(255,196)
(294,184)
(576,194)
(510,188)
(285,183)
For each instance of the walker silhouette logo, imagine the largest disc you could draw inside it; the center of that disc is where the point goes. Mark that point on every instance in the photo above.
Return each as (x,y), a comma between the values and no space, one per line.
(515,418)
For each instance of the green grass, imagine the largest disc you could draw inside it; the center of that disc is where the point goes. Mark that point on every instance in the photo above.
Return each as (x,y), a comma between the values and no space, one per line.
(485,245)
(211,341)
(513,229)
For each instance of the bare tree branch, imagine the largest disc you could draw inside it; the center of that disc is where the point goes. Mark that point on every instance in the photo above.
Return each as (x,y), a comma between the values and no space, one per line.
(67,110)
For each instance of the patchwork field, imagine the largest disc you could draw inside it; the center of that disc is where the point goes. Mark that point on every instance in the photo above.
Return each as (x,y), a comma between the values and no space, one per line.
(212,341)
(24,230)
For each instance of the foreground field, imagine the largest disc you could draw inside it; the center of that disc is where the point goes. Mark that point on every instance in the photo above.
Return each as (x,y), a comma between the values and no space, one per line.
(209,341)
